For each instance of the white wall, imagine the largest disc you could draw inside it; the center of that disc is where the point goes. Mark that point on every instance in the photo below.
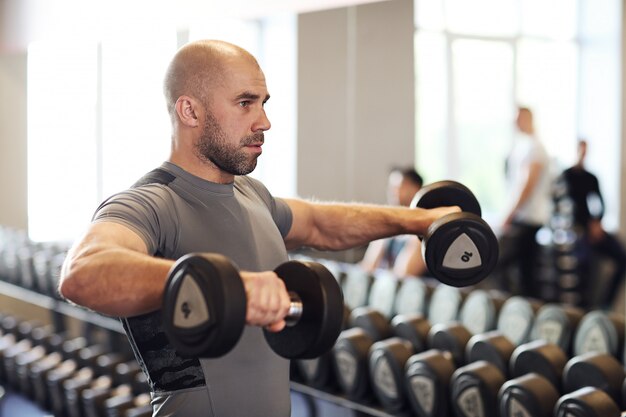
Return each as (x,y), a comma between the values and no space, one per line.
(13,191)
(356,106)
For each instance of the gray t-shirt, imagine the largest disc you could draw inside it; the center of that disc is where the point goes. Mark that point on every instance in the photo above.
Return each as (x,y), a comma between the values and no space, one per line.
(177,213)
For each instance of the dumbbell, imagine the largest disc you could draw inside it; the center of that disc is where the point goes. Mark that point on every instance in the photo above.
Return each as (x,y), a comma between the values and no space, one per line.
(516,318)
(356,286)
(599,370)
(556,323)
(413,295)
(528,395)
(459,249)
(319,372)
(480,310)
(600,331)
(586,402)
(204,308)
(373,342)
(445,304)
(548,361)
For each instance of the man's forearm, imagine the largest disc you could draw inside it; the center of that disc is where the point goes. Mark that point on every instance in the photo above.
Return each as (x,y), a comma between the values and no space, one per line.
(343,226)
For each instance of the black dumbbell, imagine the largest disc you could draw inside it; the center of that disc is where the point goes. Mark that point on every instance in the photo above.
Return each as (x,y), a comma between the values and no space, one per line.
(38,375)
(480,310)
(319,372)
(445,304)
(516,318)
(452,337)
(413,295)
(204,308)
(600,331)
(586,402)
(460,249)
(383,292)
(356,286)
(599,370)
(474,389)
(528,395)
(556,323)
(492,347)
(427,380)
(540,357)
(357,355)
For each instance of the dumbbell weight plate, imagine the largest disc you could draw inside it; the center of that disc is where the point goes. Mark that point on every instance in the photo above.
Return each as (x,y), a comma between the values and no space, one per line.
(446,193)
(204,306)
(599,331)
(461,248)
(321,320)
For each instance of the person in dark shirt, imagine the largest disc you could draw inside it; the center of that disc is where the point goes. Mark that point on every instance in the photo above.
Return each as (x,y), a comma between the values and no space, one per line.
(588,209)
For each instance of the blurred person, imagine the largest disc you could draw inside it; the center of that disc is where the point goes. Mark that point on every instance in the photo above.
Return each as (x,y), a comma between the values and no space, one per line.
(528,207)
(583,189)
(400,254)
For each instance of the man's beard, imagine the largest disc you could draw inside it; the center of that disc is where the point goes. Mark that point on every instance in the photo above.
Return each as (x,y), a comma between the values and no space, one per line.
(214,146)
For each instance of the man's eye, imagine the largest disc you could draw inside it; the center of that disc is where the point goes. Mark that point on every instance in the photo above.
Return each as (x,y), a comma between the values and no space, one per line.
(244,103)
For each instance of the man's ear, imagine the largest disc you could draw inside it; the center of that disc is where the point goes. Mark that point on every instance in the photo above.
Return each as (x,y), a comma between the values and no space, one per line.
(187,110)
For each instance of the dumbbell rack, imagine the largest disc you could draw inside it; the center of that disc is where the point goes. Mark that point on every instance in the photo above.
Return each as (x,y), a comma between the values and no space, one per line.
(60,310)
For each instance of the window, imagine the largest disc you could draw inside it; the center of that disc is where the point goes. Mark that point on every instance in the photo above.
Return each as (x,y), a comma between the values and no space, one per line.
(474,67)
(97,119)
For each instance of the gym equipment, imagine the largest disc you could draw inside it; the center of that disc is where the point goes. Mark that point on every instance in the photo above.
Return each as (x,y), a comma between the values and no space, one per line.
(555,323)
(527,395)
(587,402)
(412,327)
(516,318)
(427,378)
(451,337)
(474,389)
(413,296)
(383,291)
(204,308)
(599,331)
(541,357)
(460,249)
(445,304)
(480,310)
(356,286)
(492,347)
(387,360)
(598,370)
(350,356)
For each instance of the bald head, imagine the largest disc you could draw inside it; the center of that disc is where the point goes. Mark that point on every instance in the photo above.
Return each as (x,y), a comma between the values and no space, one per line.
(199,66)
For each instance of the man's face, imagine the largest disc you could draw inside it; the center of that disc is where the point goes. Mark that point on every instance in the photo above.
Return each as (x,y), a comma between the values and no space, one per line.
(228,154)
(235,120)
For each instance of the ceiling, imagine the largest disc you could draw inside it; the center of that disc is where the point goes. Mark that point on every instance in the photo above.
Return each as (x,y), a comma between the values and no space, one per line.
(22,21)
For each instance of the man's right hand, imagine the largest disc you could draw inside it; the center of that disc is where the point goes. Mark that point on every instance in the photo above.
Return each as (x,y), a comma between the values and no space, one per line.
(267,300)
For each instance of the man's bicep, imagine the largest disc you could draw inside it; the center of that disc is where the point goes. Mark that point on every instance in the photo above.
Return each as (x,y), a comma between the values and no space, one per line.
(114,234)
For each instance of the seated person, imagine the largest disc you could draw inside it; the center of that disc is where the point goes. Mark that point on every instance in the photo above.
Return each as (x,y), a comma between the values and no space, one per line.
(400,254)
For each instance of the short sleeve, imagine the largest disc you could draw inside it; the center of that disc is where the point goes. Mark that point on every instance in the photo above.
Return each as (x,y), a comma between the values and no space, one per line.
(147,210)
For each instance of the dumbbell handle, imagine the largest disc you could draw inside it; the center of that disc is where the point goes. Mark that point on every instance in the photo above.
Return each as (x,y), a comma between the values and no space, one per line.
(295,310)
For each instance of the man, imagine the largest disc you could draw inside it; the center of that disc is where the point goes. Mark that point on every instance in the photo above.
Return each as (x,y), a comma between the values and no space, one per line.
(200,200)
(584,191)
(528,209)
(400,254)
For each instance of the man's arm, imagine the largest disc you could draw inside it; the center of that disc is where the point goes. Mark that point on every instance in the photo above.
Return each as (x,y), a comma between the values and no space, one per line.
(333,226)
(109,271)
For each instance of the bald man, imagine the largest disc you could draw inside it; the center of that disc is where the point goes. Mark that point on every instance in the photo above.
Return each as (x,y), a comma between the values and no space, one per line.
(201,200)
